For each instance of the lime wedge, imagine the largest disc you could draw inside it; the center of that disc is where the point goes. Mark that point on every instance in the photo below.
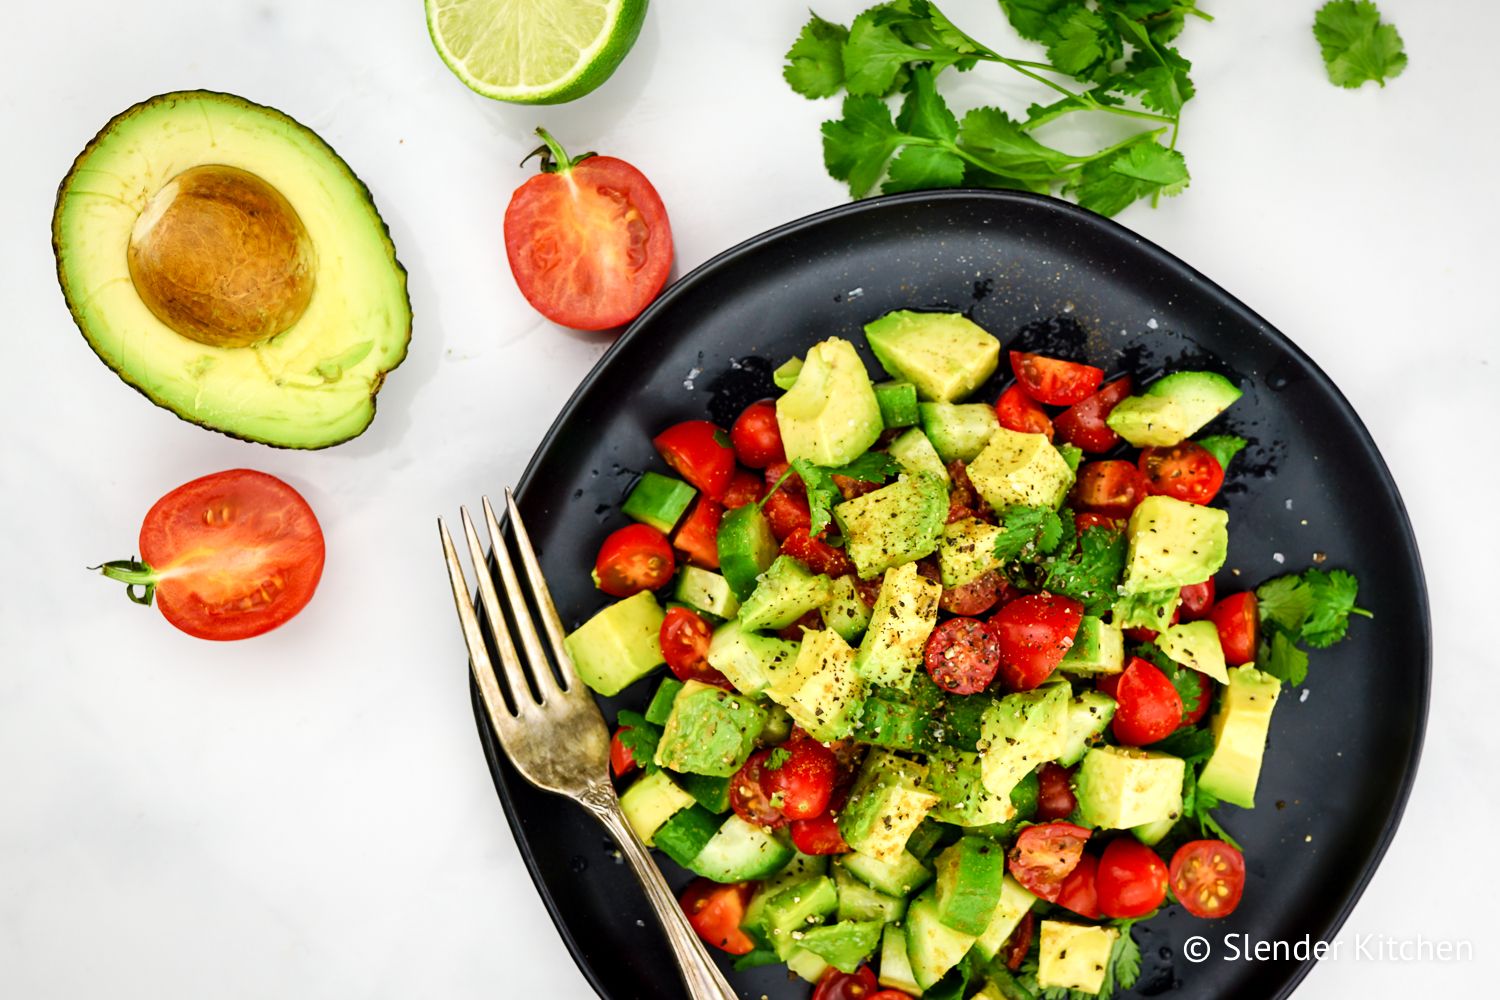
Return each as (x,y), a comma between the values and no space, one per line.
(534,51)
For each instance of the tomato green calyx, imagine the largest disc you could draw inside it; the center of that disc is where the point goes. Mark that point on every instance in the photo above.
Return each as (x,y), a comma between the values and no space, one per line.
(134,574)
(555,159)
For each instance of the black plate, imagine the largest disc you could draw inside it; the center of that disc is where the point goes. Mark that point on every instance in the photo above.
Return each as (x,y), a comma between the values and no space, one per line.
(1046,275)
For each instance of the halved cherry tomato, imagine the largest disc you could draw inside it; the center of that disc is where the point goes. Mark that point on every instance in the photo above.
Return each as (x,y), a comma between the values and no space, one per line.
(1018,945)
(632,559)
(804,780)
(1082,424)
(1185,471)
(715,911)
(684,645)
(1208,878)
(891,995)
(973,598)
(1149,707)
(819,835)
(744,488)
(587,240)
(748,796)
(1044,855)
(1237,617)
(1054,797)
(1112,488)
(1035,632)
(787,513)
(1080,890)
(697,537)
(621,760)
(757,436)
(1019,412)
(836,985)
(849,488)
(1205,698)
(780,474)
(701,454)
(1132,880)
(1054,382)
(227,556)
(819,556)
(1197,601)
(962,655)
(1083,522)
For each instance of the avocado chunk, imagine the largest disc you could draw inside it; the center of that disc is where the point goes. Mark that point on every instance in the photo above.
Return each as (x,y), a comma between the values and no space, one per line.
(785,375)
(844,945)
(784,593)
(1173,544)
(1021,731)
(898,523)
(225,262)
(801,868)
(1150,609)
(932,946)
(830,415)
(1240,727)
(1173,408)
(895,967)
(915,453)
(741,851)
(650,802)
(1088,714)
(905,614)
(959,431)
(1074,956)
(858,901)
(846,612)
(1015,902)
(1098,648)
(970,874)
(619,645)
(710,731)
(945,355)
(795,908)
(1123,787)
(1195,645)
(820,689)
(957,778)
(1016,468)
(749,659)
(967,551)
(888,802)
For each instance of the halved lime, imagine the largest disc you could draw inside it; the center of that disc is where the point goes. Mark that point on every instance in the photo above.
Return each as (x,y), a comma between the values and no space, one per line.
(534,51)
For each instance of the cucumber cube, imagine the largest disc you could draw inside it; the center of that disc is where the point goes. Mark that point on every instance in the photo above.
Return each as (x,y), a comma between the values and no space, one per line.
(658,500)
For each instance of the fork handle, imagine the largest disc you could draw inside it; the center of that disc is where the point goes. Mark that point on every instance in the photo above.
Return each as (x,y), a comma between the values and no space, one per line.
(700,975)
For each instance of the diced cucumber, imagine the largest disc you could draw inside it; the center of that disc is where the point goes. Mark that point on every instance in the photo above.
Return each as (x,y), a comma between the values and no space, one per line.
(660,708)
(747,548)
(806,965)
(1088,714)
(898,403)
(712,793)
(658,500)
(844,945)
(846,612)
(706,590)
(802,868)
(797,908)
(959,431)
(650,802)
(741,851)
(916,454)
(683,836)
(900,877)
(858,901)
(1151,834)
(969,877)
(895,967)
(924,838)
(932,946)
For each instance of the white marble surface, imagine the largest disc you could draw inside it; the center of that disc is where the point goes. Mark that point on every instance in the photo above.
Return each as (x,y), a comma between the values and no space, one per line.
(308,814)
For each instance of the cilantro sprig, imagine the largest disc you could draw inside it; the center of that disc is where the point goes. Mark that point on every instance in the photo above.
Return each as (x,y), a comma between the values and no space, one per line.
(823,492)
(1093,571)
(1357,45)
(1028,531)
(1312,607)
(640,738)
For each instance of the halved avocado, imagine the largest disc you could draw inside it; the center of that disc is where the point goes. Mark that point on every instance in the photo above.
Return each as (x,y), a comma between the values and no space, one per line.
(224,261)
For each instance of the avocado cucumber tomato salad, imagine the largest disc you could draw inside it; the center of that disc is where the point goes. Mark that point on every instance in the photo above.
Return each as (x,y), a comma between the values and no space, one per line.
(951,692)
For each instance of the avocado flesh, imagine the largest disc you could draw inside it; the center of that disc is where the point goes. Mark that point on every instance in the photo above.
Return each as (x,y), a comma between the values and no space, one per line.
(309,386)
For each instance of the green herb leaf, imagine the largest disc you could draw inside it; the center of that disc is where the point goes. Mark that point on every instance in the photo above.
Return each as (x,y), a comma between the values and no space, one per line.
(1093,573)
(1223,447)
(815,62)
(1124,962)
(857,146)
(924,113)
(1280,657)
(991,136)
(1144,168)
(1193,745)
(777,758)
(1027,529)
(822,493)
(918,168)
(881,46)
(1357,46)
(640,738)
(1086,43)
(1159,78)
(1333,597)
(871,467)
(1036,19)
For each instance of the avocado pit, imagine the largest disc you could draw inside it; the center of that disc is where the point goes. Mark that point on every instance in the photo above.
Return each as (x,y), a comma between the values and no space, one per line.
(221,257)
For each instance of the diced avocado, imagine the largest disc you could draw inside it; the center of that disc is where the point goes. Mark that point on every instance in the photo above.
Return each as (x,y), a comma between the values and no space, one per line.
(619,645)
(945,355)
(899,876)
(651,801)
(1074,956)
(820,690)
(1240,727)
(898,403)
(905,614)
(967,551)
(1088,714)
(796,908)
(885,805)
(895,967)
(1195,645)
(658,500)
(957,778)
(932,946)
(958,431)
(802,868)
(1151,834)
(1174,408)
(1021,731)
(1016,468)
(846,612)
(916,454)
(1149,609)
(1173,543)
(741,851)
(898,523)
(1098,648)
(683,837)
(857,901)
(785,376)
(710,731)
(1123,787)
(844,945)
(660,709)
(784,593)
(969,878)
(830,415)
(749,659)
(705,590)
(747,547)
(1015,902)
(898,720)
(711,792)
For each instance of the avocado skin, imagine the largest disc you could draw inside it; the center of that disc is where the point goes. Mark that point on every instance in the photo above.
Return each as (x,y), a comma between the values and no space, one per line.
(74,308)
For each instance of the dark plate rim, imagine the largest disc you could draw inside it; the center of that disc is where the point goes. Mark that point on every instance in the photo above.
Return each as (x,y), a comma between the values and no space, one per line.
(1114,230)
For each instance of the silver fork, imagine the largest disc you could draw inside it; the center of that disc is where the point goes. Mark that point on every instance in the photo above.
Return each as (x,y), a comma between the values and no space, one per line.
(555,735)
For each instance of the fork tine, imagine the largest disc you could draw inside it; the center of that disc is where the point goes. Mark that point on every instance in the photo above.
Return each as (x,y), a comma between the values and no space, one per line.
(515,597)
(515,675)
(550,620)
(479,656)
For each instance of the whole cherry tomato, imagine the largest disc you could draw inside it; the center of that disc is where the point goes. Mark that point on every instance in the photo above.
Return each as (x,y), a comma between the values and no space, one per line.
(1132,880)
(757,436)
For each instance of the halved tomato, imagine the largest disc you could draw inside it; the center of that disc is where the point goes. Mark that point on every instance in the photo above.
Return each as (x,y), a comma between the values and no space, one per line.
(1111,488)
(1053,381)
(1044,855)
(632,559)
(701,454)
(1208,878)
(715,912)
(1019,412)
(697,537)
(1186,471)
(1082,424)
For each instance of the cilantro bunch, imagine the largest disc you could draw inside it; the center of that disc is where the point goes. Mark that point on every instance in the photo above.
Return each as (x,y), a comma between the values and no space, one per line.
(1115,53)
(1312,607)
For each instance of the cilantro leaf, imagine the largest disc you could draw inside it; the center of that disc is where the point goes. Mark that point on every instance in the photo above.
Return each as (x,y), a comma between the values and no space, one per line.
(1192,745)
(924,113)
(1284,601)
(640,738)
(777,758)
(1141,169)
(1188,689)
(1093,573)
(1357,46)
(871,467)
(1086,43)
(1035,19)
(1124,966)
(857,146)
(1333,595)
(882,44)
(918,168)
(1280,657)
(1035,529)
(815,62)
(990,135)
(822,493)
(1158,77)
(1223,447)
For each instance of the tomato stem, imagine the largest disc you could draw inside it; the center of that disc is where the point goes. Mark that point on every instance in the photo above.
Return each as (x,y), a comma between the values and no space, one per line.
(555,159)
(134,574)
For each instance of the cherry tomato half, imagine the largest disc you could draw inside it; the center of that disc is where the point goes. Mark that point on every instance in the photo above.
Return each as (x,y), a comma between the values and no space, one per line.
(748,796)
(1019,412)
(1185,471)
(756,436)
(1054,797)
(1208,878)
(804,780)
(890,995)
(621,760)
(1035,632)
(1080,890)
(1082,424)
(1132,880)
(684,644)
(1149,707)
(787,513)
(819,835)
(715,911)
(744,488)
(701,454)
(697,537)
(962,655)
(1197,601)
(1044,855)
(1237,617)
(819,556)
(975,597)
(836,985)
(588,240)
(1052,381)
(633,559)
(1112,488)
